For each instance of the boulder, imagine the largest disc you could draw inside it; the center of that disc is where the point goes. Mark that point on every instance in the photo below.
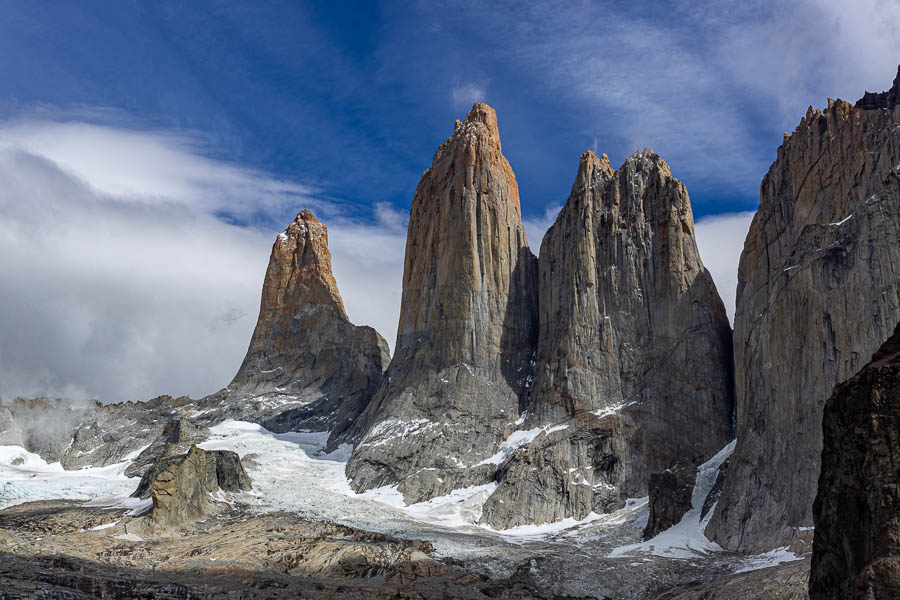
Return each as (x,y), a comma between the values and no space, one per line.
(670,497)
(184,490)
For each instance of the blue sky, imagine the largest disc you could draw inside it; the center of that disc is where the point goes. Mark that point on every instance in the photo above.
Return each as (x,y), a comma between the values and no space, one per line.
(201,128)
(353,98)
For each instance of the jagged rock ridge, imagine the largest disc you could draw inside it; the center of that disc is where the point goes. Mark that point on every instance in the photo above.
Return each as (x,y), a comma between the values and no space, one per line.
(468,325)
(634,355)
(818,292)
(856,549)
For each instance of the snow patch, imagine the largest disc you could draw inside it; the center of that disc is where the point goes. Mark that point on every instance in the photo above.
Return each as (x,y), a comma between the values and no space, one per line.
(687,538)
(842,221)
(391,429)
(613,409)
(768,559)
(516,440)
(571,527)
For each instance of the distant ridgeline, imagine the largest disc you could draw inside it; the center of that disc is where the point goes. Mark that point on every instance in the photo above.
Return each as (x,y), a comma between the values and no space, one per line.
(564,383)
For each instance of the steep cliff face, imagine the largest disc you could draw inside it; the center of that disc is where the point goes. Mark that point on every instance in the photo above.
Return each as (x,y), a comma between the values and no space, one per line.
(856,550)
(634,356)
(468,325)
(818,292)
(304,348)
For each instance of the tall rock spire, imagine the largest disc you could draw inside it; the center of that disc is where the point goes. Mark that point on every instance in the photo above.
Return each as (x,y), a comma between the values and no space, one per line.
(634,356)
(468,325)
(818,293)
(304,347)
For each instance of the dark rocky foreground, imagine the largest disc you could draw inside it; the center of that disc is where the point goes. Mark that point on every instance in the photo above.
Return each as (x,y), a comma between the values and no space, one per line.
(856,549)
(49,550)
(47,553)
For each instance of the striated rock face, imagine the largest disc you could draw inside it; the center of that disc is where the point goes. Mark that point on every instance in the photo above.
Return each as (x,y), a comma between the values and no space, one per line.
(304,347)
(818,293)
(634,359)
(468,325)
(182,492)
(856,549)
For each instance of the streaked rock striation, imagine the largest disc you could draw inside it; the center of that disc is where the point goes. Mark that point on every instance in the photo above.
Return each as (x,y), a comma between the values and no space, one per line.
(818,293)
(856,549)
(634,355)
(468,326)
(305,353)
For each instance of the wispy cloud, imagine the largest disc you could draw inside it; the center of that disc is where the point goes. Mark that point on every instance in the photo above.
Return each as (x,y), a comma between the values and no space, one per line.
(153,168)
(537,226)
(710,89)
(464,95)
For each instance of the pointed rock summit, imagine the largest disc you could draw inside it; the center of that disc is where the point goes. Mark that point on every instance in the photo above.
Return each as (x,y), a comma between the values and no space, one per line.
(818,293)
(634,355)
(304,347)
(468,325)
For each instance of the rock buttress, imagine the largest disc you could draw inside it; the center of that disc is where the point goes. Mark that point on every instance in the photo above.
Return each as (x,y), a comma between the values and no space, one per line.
(304,348)
(468,325)
(634,359)
(818,292)
(856,548)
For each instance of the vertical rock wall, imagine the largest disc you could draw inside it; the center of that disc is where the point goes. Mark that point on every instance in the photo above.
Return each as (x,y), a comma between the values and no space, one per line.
(304,346)
(634,355)
(468,325)
(818,292)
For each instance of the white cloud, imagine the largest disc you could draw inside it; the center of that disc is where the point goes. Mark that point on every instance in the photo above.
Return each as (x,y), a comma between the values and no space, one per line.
(467,94)
(537,226)
(720,239)
(118,281)
(367,260)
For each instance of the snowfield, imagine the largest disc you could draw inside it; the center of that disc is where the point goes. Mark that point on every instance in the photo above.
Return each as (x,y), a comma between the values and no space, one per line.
(25,477)
(291,473)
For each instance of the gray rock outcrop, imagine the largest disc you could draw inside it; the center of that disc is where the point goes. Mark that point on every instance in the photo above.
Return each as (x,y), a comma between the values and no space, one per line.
(856,548)
(184,490)
(787,581)
(634,355)
(818,293)
(670,497)
(169,448)
(468,326)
